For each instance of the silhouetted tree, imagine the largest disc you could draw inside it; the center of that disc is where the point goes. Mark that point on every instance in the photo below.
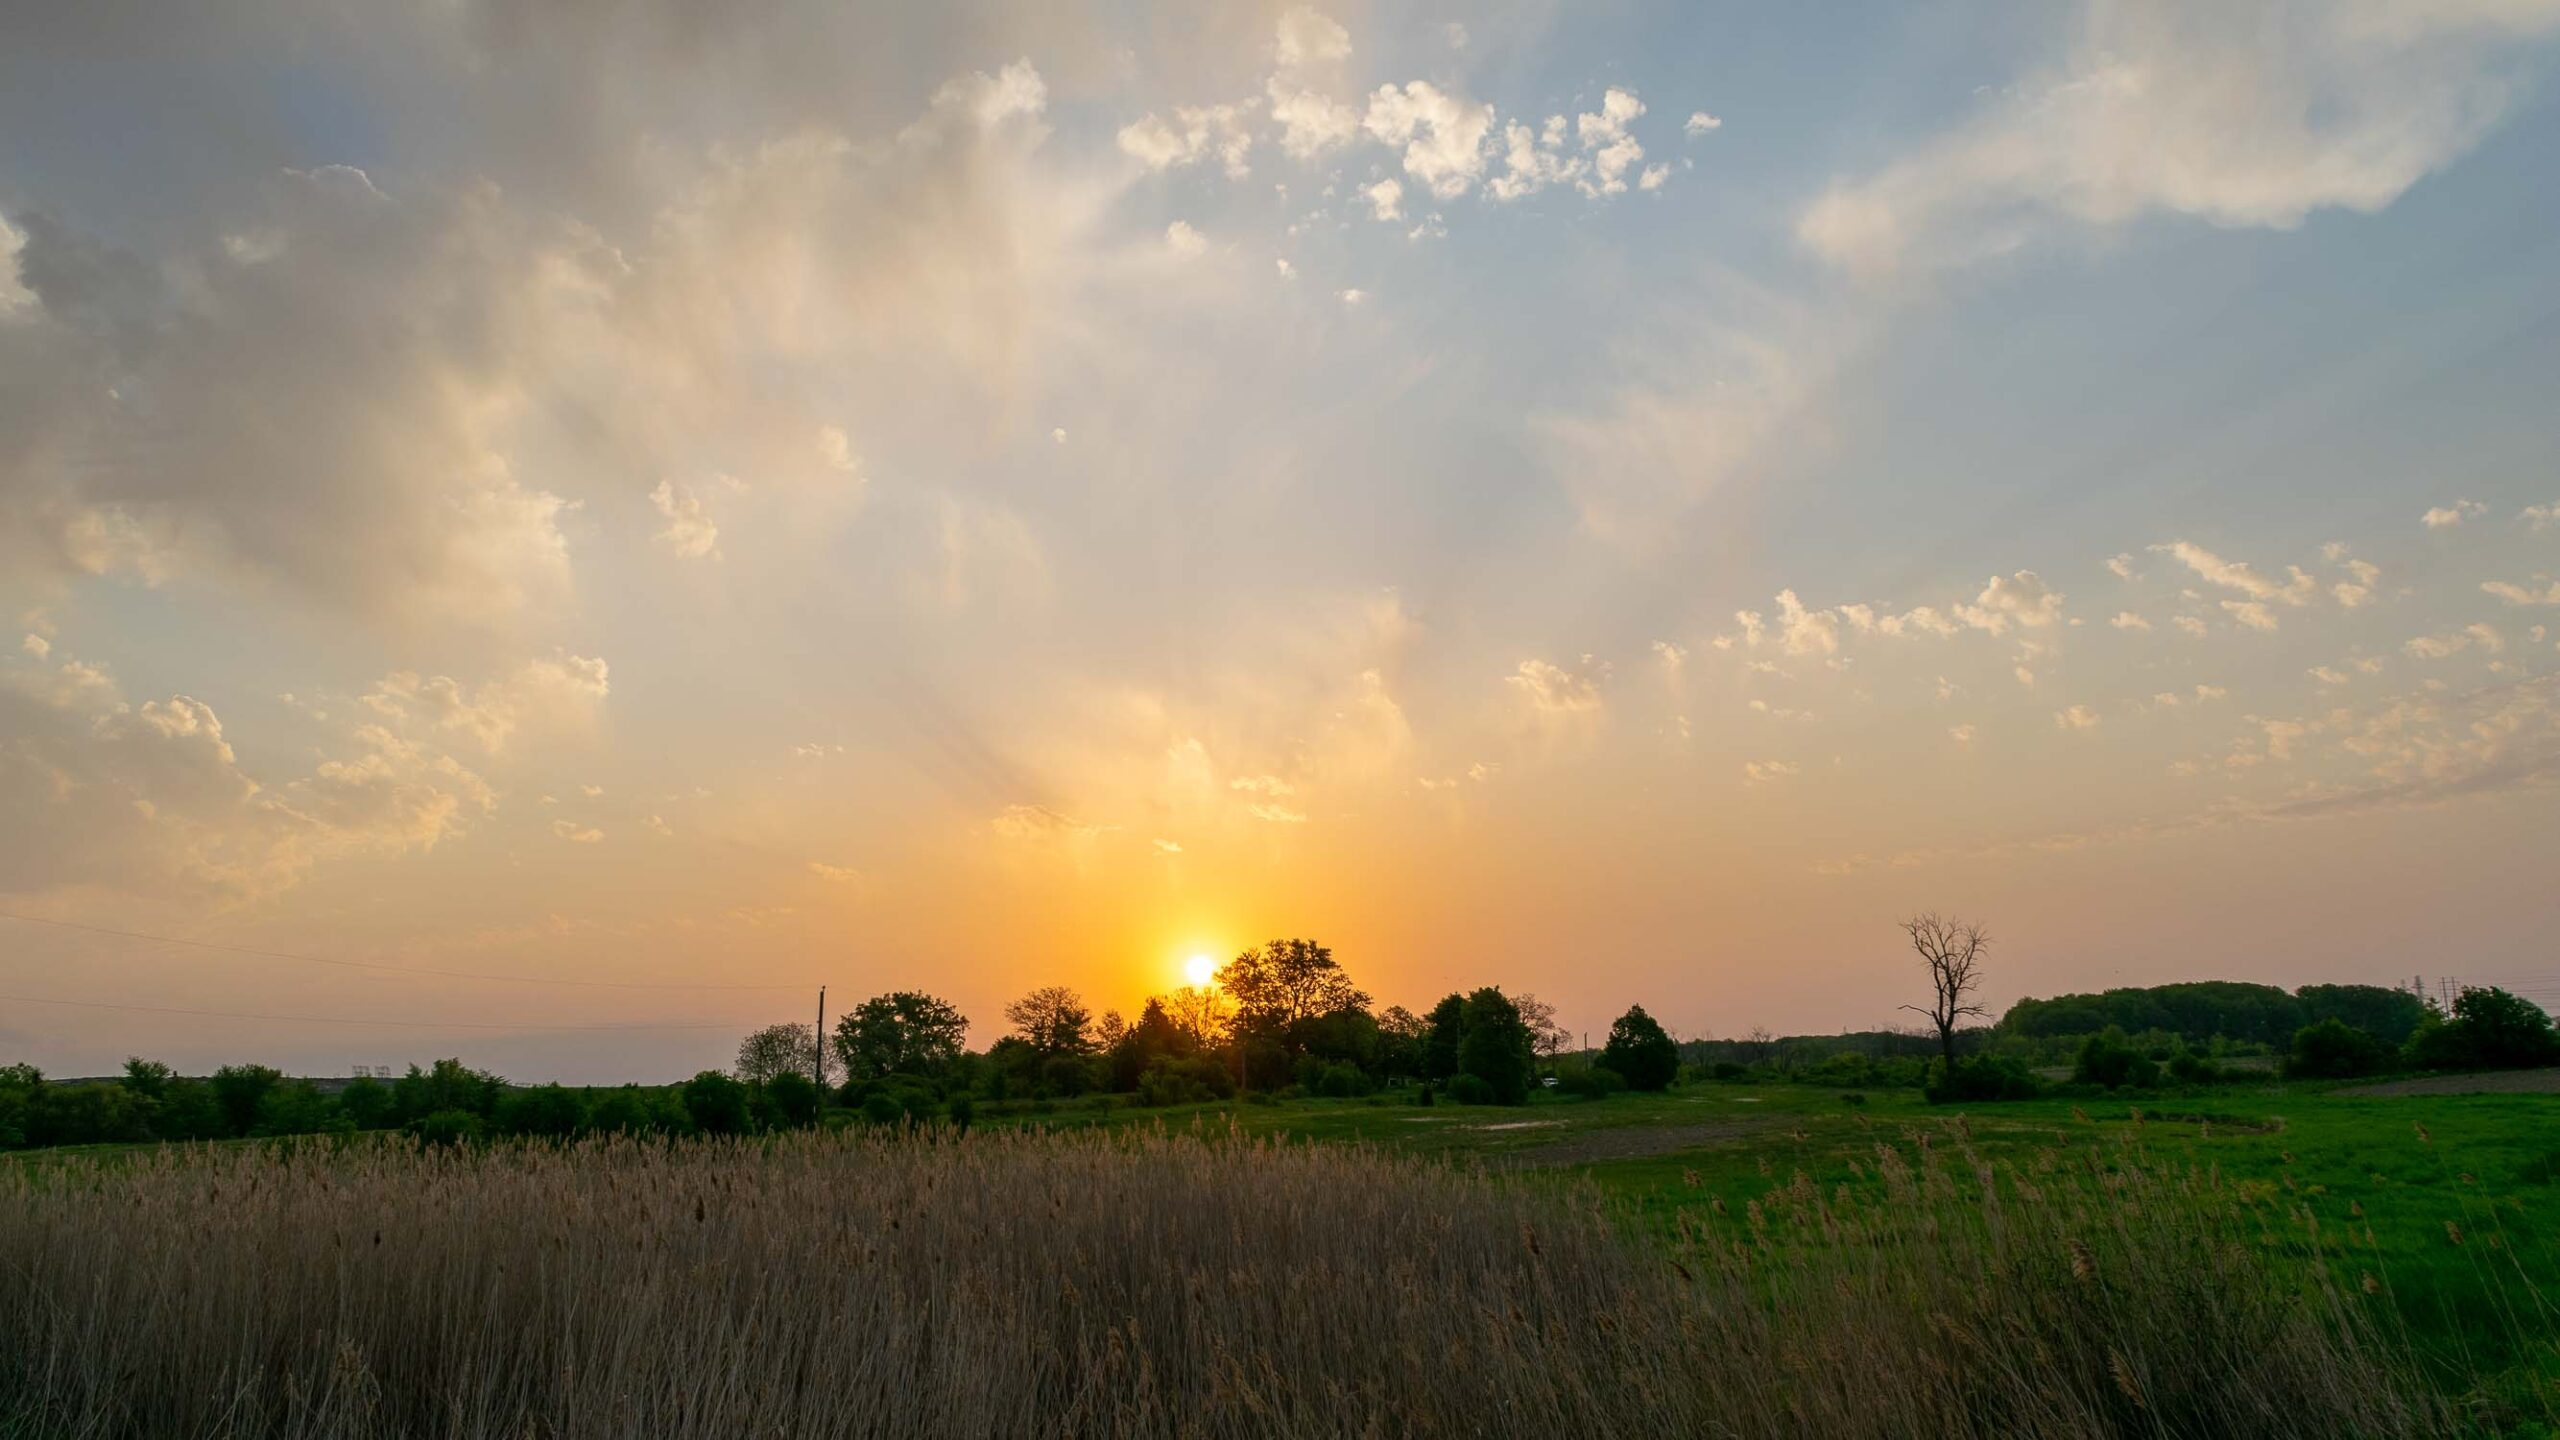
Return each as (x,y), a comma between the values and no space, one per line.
(1401,1036)
(717,1103)
(147,1078)
(1494,1045)
(1052,1020)
(1642,1051)
(1447,1027)
(1547,1038)
(238,1090)
(1284,982)
(1952,950)
(905,1032)
(778,1050)
(1200,1012)
(2489,1029)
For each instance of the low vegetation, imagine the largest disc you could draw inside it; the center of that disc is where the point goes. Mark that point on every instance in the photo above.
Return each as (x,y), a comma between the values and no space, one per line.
(1145,1283)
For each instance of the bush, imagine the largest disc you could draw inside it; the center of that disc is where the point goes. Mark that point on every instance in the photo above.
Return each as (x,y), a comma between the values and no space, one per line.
(795,1097)
(2188,1068)
(1467,1089)
(961,1112)
(1975,1078)
(1591,1082)
(883,1109)
(1495,1046)
(2107,1060)
(620,1112)
(1341,1081)
(552,1111)
(2489,1029)
(2335,1050)
(717,1103)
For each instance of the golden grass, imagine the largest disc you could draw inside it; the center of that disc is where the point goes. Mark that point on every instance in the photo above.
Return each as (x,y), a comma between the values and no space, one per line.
(1143,1285)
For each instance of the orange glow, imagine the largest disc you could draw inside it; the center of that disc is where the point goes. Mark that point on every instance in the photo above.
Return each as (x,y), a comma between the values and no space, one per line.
(1201,970)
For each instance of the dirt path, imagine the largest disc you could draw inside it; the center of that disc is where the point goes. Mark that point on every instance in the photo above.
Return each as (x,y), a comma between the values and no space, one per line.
(2503,1082)
(1628,1142)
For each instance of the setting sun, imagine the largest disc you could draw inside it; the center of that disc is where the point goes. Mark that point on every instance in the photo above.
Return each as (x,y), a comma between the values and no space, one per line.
(1200,970)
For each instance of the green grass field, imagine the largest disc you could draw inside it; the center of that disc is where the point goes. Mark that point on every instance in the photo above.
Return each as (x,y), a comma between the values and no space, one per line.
(2451,1203)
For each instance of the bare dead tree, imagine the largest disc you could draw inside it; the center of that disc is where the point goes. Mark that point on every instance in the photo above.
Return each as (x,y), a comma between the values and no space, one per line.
(1952,949)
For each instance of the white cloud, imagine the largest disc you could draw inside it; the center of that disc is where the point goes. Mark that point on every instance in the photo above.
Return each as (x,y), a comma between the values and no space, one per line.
(543,698)
(1353,296)
(2540,517)
(1553,692)
(1190,135)
(2297,590)
(1442,135)
(2328,674)
(1700,123)
(575,833)
(2236,115)
(2120,566)
(1961,734)
(1755,772)
(2445,517)
(689,531)
(1311,123)
(1386,199)
(2022,598)
(1184,241)
(2127,620)
(2077,717)
(1306,37)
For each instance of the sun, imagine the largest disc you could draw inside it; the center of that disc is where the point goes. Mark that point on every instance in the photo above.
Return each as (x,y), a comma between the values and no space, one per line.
(1201,970)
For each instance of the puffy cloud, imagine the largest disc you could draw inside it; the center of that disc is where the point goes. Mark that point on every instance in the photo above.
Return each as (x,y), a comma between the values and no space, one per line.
(1554,692)
(689,530)
(545,698)
(1961,734)
(1386,199)
(1594,153)
(1183,240)
(2540,517)
(99,794)
(1442,135)
(2235,115)
(1757,772)
(2077,717)
(2127,620)
(2445,517)
(1700,123)
(2328,674)
(2120,566)
(1306,37)
(1190,135)
(2022,599)
(575,833)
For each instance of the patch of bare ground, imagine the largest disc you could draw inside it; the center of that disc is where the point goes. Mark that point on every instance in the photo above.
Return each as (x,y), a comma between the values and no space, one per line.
(2501,1082)
(1628,1142)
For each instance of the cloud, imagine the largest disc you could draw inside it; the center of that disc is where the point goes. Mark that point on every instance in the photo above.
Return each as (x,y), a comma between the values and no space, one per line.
(2120,566)
(1183,241)
(2127,620)
(1758,772)
(2023,599)
(546,698)
(1306,37)
(1700,123)
(1961,734)
(2445,517)
(1386,199)
(2298,590)
(2077,717)
(101,795)
(689,531)
(2540,517)
(1553,692)
(2236,115)
(575,833)
(1594,152)
(2515,594)
(1190,135)
(1442,135)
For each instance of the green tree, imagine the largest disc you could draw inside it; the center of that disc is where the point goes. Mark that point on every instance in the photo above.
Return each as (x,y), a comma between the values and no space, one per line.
(367,1102)
(905,1032)
(1446,1027)
(1401,1036)
(1640,1050)
(147,1078)
(2106,1059)
(238,1090)
(2489,1029)
(621,1111)
(2335,1050)
(446,1085)
(1495,1046)
(795,1098)
(717,1104)
(554,1111)
(297,1107)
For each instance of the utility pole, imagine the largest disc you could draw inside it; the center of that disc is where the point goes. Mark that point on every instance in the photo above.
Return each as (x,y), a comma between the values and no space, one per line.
(821,1064)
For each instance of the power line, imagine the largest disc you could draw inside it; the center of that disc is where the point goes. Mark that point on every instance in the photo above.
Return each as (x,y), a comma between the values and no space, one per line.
(345,1020)
(386,968)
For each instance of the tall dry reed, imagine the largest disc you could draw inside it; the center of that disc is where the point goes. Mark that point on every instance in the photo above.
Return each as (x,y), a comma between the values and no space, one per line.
(1146,1285)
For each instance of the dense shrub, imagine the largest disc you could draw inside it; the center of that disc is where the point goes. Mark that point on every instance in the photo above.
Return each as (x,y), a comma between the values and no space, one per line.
(2105,1059)
(1495,1046)
(883,1108)
(1466,1089)
(717,1104)
(1975,1078)
(2489,1029)
(795,1097)
(2335,1050)
(1591,1082)
(446,1127)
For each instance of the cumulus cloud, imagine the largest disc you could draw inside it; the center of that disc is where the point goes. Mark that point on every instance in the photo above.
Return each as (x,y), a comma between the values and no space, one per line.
(2445,517)
(1758,772)
(1386,199)
(689,530)
(2515,594)
(1553,692)
(1595,152)
(1442,135)
(2234,115)
(2297,589)
(544,698)
(1189,135)
(2076,717)
(2127,620)
(1700,123)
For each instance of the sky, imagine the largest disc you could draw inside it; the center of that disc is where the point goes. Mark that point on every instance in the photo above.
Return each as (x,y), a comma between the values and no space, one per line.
(547,533)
